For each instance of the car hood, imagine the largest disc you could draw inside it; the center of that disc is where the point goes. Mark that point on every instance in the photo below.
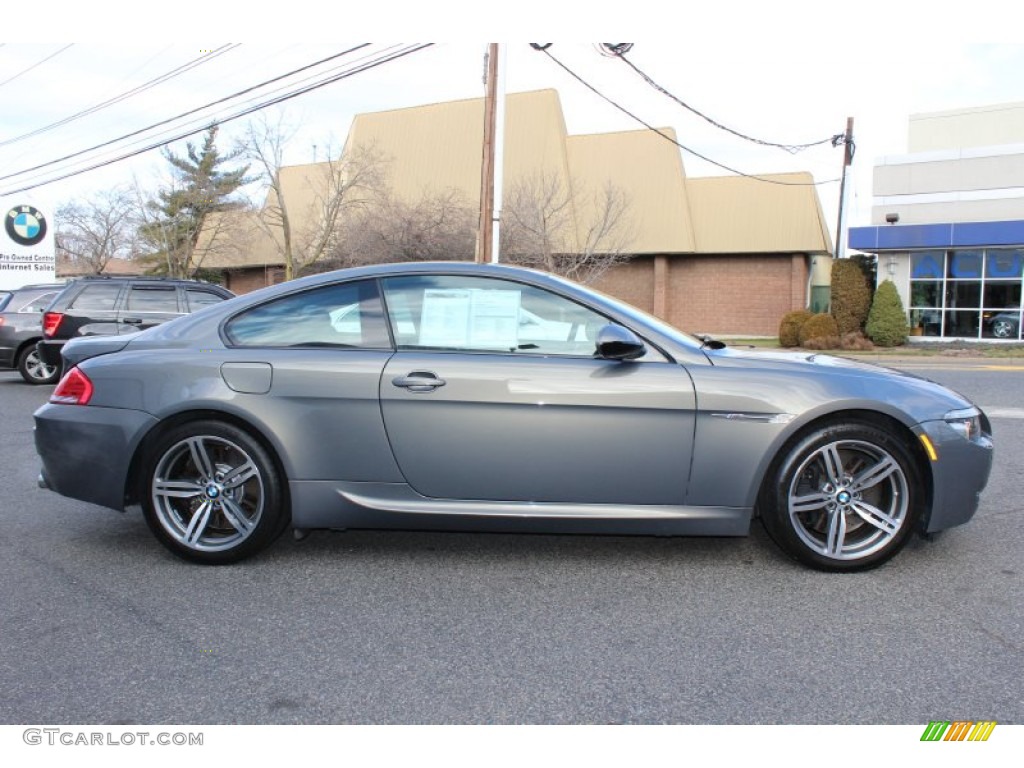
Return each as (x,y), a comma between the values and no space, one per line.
(829,366)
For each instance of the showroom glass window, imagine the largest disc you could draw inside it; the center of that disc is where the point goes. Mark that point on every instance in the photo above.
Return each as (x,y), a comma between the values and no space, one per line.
(967,293)
(472,314)
(342,315)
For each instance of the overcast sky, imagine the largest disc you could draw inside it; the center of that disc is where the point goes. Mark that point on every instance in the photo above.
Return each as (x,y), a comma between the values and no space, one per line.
(785,72)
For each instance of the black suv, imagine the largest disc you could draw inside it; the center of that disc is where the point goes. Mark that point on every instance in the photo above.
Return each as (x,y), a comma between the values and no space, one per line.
(108,306)
(21,312)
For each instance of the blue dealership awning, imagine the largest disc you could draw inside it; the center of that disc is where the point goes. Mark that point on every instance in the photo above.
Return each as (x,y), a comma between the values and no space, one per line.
(968,234)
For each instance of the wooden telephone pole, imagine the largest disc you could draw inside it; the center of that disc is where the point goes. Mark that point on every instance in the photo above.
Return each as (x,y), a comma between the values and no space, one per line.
(485,231)
(848,146)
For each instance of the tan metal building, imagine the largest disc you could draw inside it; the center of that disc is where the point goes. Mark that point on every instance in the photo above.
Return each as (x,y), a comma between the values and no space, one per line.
(725,255)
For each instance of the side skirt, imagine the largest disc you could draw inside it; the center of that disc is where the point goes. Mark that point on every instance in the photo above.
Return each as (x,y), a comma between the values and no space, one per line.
(327,504)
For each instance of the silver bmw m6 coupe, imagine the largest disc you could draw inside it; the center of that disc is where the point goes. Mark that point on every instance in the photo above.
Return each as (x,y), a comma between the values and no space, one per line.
(482,397)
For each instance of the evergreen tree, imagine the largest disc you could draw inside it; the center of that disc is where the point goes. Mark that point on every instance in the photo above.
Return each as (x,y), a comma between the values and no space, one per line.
(887,322)
(200,186)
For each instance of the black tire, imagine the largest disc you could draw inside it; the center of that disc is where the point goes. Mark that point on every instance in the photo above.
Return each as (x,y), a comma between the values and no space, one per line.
(212,494)
(845,497)
(34,370)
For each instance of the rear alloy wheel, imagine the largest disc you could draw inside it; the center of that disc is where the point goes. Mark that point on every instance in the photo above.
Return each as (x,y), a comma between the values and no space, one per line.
(213,494)
(844,498)
(33,369)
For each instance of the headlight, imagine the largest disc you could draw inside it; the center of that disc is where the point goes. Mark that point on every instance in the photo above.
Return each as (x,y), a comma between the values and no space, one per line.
(966,422)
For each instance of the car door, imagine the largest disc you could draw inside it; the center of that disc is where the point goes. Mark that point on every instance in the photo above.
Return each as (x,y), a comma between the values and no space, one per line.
(494,393)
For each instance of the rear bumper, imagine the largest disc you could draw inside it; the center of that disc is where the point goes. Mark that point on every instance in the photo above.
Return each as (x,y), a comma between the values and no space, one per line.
(49,351)
(86,451)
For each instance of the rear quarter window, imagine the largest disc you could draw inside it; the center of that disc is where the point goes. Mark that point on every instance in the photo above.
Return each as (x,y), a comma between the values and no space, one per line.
(343,315)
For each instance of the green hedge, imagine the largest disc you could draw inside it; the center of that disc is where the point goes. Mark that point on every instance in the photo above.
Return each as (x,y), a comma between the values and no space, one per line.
(851,296)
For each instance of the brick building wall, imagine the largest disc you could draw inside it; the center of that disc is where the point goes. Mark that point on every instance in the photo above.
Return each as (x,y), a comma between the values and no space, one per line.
(744,295)
(248,279)
(632,282)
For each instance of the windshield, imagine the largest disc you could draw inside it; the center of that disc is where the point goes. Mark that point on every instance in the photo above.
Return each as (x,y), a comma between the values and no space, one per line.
(644,318)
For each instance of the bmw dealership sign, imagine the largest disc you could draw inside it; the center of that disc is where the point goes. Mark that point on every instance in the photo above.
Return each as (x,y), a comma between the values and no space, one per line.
(26,244)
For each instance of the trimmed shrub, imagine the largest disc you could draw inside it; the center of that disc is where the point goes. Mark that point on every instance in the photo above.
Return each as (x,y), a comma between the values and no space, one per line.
(851,296)
(789,327)
(887,322)
(817,328)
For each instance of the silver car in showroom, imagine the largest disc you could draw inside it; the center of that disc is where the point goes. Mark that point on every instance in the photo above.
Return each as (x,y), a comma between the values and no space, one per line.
(483,397)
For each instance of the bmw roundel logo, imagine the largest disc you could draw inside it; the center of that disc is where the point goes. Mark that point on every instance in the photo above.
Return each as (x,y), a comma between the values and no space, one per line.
(25,225)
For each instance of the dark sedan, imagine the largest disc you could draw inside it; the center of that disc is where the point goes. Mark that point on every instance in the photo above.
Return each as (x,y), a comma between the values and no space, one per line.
(460,396)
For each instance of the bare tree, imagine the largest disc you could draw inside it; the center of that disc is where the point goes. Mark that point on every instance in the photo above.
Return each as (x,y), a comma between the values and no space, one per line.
(305,205)
(91,232)
(440,226)
(558,227)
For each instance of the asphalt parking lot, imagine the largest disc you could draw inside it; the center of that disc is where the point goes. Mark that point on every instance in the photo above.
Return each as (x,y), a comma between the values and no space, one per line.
(102,625)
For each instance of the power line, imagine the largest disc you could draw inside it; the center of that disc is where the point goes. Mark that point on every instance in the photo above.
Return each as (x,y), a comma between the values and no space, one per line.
(180,116)
(271,102)
(202,122)
(199,123)
(29,69)
(791,148)
(180,70)
(544,50)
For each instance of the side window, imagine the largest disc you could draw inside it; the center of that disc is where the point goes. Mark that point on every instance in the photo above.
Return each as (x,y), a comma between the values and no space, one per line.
(451,312)
(199,298)
(340,315)
(100,296)
(38,304)
(152,298)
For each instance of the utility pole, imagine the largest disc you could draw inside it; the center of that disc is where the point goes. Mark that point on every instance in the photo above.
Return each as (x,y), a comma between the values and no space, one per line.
(848,148)
(485,231)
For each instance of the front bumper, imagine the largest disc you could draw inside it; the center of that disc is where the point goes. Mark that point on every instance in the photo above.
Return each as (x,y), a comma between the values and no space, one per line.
(959,474)
(87,451)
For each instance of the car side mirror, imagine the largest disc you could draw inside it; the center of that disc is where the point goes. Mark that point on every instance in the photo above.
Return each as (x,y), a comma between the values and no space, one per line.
(617,343)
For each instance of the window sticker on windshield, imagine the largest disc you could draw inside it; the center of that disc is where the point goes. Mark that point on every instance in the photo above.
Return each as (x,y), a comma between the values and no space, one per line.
(470,317)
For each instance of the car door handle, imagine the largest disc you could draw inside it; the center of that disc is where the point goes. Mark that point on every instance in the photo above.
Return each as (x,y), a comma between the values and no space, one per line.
(419,381)
(132,321)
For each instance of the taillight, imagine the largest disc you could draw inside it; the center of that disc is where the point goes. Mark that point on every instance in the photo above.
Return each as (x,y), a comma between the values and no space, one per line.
(51,322)
(74,389)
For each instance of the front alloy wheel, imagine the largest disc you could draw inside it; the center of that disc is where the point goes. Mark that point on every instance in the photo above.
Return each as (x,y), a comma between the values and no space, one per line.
(845,498)
(213,494)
